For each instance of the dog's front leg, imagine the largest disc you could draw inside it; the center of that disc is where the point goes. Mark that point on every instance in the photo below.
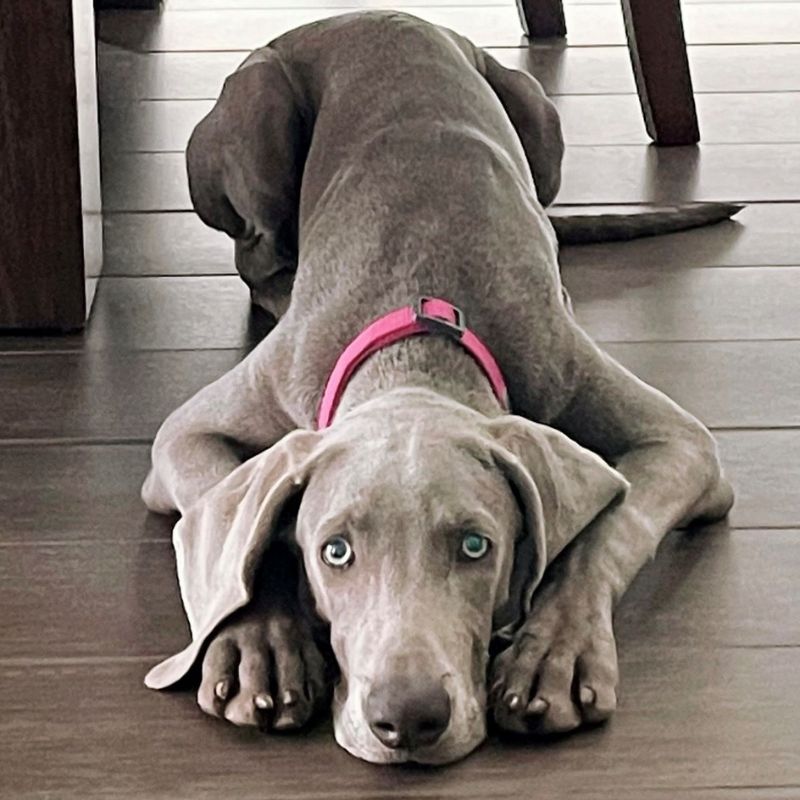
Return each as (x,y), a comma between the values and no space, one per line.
(263,667)
(561,669)
(207,437)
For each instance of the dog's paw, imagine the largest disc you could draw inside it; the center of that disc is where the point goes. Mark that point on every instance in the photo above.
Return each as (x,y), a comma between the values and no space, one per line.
(561,669)
(263,669)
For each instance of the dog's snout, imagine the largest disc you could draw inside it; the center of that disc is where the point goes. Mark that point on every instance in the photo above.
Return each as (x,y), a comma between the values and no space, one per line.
(408,713)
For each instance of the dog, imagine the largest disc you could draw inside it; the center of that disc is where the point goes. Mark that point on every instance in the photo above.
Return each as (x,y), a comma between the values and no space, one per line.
(427,459)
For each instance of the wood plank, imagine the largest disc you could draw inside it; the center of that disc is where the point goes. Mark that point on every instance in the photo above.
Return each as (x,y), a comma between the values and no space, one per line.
(90,599)
(750,173)
(145,182)
(332,6)
(162,314)
(725,384)
(763,118)
(114,4)
(704,23)
(248,29)
(566,2)
(763,234)
(645,303)
(180,244)
(119,598)
(691,724)
(491,26)
(126,75)
(113,394)
(708,589)
(76,493)
(764,468)
(151,125)
(38,501)
(337,5)
(166,244)
(607,70)
(592,175)
(103,394)
(614,304)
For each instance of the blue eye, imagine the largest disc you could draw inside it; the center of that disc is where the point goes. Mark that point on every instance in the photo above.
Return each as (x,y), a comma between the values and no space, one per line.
(337,552)
(475,545)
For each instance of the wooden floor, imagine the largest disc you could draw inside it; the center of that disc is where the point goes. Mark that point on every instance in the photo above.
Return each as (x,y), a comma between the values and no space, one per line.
(710,633)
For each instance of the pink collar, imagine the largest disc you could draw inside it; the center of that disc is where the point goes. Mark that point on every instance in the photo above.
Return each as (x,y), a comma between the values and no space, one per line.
(431,315)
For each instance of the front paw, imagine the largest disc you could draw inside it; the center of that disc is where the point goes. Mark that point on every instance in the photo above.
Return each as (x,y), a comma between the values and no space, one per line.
(561,669)
(263,669)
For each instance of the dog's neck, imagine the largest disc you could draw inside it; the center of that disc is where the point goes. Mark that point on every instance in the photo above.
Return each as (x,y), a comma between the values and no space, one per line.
(427,362)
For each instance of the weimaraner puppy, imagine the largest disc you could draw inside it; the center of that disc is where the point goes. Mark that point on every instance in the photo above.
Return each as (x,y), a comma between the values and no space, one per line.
(413,491)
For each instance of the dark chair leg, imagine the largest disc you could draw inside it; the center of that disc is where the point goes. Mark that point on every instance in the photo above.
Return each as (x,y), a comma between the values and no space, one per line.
(661,68)
(542,18)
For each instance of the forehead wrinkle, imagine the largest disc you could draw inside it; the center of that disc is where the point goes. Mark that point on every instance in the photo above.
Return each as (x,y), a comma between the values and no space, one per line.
(349,518)
(413,446)
(441,489)
(444,517)
(416,481)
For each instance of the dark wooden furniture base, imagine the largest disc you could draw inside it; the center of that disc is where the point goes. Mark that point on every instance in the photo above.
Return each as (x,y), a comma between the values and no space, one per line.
(50,237)
(658,54)
(661,69)
(542,19)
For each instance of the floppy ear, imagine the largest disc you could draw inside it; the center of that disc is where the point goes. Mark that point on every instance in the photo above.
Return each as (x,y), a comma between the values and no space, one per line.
(536,121)
(561,487)
(245,161)
(221,540)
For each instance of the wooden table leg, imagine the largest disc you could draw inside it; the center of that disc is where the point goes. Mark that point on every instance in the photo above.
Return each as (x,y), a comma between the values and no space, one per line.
(50,236)
(542,18)
(661,68)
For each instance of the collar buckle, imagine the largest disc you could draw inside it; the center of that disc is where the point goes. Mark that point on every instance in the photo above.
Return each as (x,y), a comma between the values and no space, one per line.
(436,324)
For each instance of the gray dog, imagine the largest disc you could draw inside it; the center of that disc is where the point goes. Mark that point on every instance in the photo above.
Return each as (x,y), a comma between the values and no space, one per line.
(360,164)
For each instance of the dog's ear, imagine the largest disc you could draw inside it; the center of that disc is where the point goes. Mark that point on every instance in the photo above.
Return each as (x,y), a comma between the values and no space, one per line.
(561,488)
(222,538)
(535,120)
(245,161)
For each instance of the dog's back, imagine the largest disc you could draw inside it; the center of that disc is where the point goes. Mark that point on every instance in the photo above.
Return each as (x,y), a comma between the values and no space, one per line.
(415,183)
(410,180)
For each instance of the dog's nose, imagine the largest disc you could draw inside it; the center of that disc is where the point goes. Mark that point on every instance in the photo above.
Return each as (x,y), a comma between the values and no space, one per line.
(408,713)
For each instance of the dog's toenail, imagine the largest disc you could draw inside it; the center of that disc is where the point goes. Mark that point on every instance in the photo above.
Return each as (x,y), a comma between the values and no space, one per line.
(495,689)
(284,721)
(588,696)
(263,702)
(290,698)
(222,689)
(538,705)
(513,701)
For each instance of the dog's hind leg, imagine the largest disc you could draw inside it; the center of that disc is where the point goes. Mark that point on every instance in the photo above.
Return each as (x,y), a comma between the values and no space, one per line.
(561,669)
(245,161)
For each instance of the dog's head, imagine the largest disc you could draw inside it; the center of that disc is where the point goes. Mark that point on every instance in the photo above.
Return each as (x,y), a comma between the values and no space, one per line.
(424,528)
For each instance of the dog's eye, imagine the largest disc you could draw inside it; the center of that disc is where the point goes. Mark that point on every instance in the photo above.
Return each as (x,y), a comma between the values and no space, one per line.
(337,552)
(475,545)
